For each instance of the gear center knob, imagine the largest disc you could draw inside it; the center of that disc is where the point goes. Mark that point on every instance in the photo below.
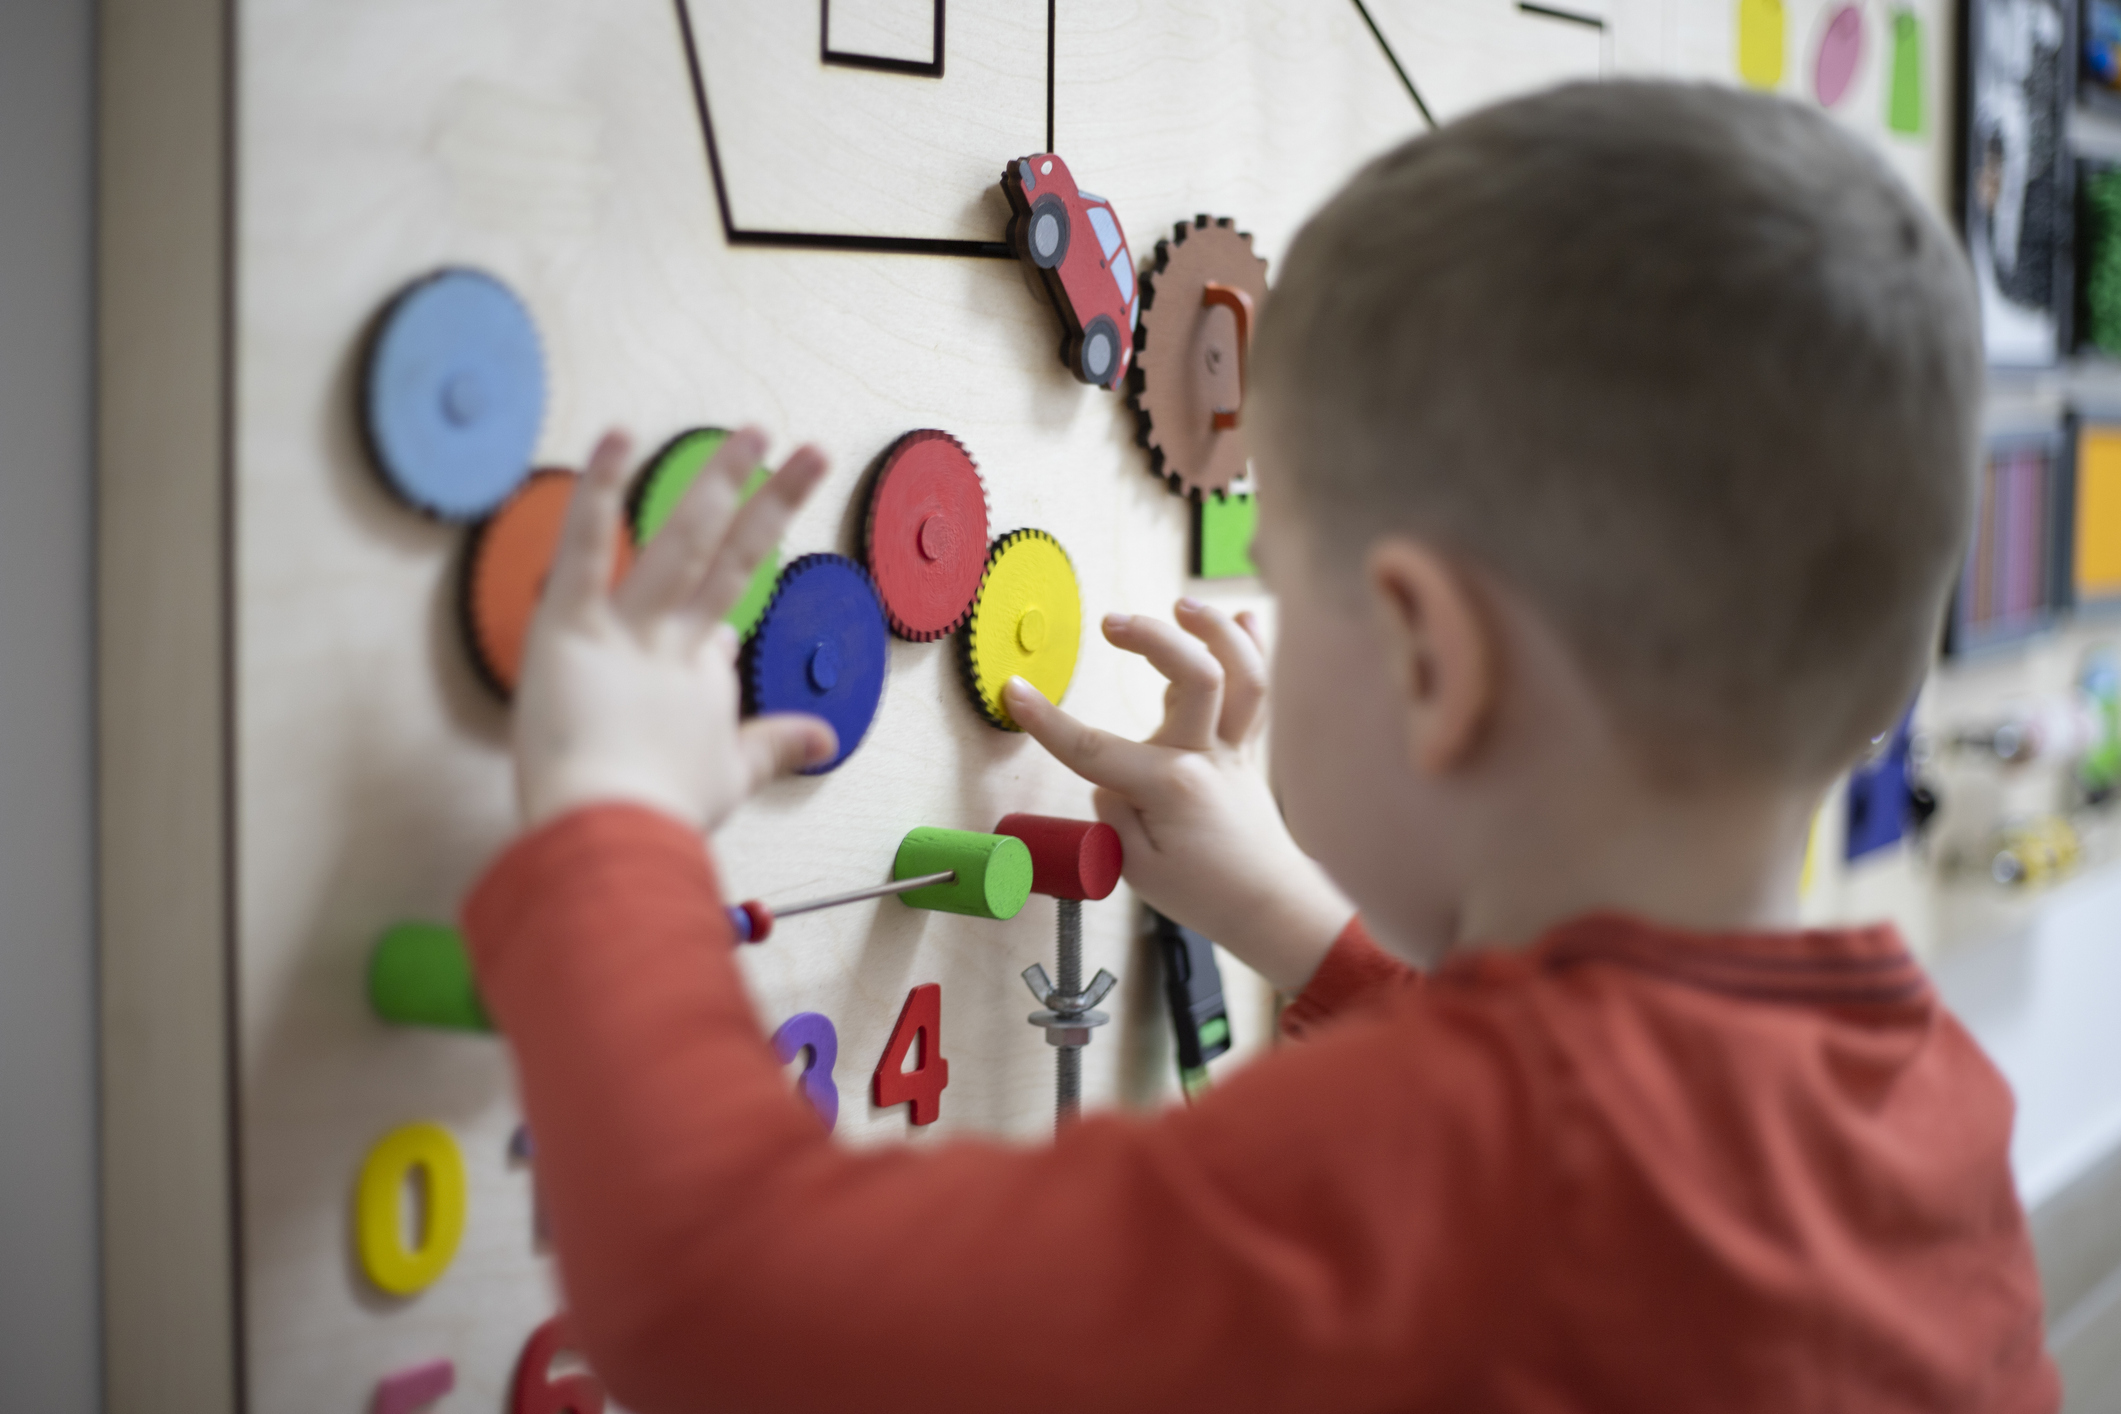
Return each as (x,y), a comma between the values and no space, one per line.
(463,399)
(1031,630)
(824,667)
(935,538)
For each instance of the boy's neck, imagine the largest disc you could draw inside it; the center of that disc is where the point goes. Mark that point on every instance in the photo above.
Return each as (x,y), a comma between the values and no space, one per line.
(1723,860)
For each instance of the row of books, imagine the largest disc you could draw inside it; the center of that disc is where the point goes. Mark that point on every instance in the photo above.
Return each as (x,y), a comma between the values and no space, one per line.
(2047,534)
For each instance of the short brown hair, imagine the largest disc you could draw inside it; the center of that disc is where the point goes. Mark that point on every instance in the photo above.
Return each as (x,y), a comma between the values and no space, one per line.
(1689,367)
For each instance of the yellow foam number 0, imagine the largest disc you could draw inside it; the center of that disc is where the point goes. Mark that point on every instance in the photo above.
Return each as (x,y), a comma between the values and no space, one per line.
(377,1228)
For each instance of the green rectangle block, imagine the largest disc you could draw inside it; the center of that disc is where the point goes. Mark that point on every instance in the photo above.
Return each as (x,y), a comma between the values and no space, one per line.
(1222,536)
(420,975)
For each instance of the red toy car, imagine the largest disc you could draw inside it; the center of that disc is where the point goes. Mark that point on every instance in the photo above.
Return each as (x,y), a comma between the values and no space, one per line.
(1074,241)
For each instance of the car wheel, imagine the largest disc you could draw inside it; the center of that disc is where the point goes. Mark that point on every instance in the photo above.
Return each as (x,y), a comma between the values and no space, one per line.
(1046,232)
(1099,355)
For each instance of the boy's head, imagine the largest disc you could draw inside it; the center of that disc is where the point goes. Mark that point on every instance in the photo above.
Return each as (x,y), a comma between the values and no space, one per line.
(1685,372)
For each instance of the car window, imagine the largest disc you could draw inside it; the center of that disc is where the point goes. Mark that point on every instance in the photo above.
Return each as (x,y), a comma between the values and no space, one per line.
(1123,276)
(1107,229)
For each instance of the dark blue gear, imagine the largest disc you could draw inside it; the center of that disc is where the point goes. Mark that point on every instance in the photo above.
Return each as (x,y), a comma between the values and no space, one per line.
(453,394)
(822,647)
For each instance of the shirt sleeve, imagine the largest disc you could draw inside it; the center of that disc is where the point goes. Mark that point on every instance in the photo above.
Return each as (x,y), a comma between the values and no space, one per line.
(1356,972)
(1328,1229)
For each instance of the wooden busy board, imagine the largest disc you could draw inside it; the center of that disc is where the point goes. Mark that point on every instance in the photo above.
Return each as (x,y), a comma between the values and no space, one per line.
(296,751)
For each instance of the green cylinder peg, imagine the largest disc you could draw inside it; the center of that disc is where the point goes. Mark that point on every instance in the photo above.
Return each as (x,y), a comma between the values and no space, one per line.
(993,872)
(420,975)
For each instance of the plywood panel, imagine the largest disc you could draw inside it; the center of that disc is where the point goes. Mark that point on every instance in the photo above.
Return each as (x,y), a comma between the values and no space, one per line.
(559,146)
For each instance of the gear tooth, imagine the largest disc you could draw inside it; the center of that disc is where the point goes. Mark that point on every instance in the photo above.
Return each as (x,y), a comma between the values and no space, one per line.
(1226,222)
(1179,231)
(1200,220)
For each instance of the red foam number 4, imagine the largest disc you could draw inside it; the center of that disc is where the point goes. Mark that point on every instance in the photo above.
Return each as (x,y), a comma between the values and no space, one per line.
(922,1086)
(537,1392)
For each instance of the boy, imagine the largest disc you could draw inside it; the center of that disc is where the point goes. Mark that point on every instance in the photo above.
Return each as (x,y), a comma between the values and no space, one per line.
(1615,448)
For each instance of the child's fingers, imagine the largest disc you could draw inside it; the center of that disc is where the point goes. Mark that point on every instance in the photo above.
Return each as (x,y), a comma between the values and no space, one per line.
(1098,757)
(1244,666)
(677,556)
(581,565)
(1194,701)
(782,744)
(754,532)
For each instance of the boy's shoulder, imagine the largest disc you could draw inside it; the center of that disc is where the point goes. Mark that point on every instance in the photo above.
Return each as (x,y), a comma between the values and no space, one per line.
(1720,1145)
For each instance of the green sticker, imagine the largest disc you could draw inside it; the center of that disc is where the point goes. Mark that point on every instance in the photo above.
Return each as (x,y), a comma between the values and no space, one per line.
(1903,103)
(664,484)
(1222,536)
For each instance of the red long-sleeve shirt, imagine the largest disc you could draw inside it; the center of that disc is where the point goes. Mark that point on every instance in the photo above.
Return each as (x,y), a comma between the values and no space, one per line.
(1625,1168)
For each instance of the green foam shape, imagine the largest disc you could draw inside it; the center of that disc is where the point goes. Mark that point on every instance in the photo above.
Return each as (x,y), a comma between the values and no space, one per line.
(679,465)
(1903,103)
(993,872)
(1223,534)
(420,975)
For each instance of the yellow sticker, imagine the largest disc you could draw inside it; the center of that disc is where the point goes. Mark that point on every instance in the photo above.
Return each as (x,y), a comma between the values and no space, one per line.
(378,1230)
(1760,42)
(1027,622)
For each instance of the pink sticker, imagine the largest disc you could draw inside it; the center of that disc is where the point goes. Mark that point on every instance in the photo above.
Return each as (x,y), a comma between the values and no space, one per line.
(1840,51)
(414,1388)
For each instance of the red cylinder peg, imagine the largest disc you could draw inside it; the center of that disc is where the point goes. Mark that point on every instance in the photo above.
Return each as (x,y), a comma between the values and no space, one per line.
(1077,859)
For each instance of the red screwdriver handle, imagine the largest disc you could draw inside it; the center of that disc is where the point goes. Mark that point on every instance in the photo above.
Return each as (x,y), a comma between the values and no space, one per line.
(751,921)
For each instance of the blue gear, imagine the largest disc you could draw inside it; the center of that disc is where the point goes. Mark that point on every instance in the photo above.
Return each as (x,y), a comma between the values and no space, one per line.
(454,392)
(822,647)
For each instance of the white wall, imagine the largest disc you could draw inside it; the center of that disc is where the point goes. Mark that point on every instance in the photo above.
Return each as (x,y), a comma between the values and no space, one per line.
(48,1308)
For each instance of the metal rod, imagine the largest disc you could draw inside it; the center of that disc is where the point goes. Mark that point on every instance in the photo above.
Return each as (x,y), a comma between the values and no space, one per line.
(1069,982)
(896,886)
(1068,1060)
(1068,1084)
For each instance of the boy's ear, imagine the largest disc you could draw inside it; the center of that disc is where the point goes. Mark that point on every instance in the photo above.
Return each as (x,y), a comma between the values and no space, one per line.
(1440,650)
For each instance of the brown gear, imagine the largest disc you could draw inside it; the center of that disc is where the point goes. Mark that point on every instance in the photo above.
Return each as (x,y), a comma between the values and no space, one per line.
(1187,363)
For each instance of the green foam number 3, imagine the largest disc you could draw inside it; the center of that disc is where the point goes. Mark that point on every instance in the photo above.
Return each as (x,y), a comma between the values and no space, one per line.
(664,484)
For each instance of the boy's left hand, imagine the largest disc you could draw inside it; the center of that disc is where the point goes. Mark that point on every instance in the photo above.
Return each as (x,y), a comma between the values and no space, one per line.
(629,692)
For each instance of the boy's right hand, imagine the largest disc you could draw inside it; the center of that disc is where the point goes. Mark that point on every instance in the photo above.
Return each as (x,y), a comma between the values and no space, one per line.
(1205,841)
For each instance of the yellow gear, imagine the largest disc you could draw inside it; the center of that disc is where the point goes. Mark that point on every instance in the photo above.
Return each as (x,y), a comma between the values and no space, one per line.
(1027,621)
